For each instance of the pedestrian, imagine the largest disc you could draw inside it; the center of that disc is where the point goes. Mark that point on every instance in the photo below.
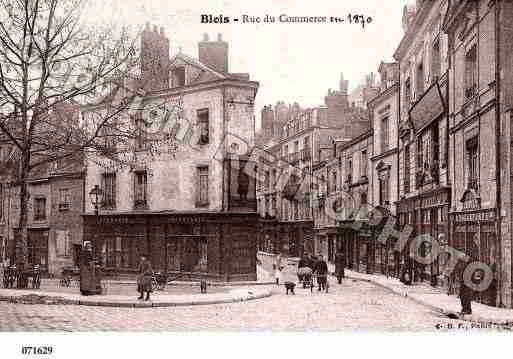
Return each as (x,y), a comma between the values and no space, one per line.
(340,263)
(321,268)
(466,292)
(278,274)
(144,277)
(90,281)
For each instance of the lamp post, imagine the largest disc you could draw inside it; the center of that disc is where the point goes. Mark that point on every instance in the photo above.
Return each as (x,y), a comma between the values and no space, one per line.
(96,197)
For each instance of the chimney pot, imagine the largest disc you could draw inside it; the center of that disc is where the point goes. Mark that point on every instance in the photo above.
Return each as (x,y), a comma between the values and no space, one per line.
(219,37)
(162,32)
(155,28)
(205,37)
(147,25)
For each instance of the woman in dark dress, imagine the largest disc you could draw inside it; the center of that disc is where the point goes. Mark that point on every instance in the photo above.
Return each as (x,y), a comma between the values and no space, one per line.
(144,279)
(89,277)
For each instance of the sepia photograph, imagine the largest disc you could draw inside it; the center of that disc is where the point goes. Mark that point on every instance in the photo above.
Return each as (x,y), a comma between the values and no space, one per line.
(287,172)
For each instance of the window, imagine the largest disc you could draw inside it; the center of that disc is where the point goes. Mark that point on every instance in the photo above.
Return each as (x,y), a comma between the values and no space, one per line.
(420,154)
(349,171)
(384,134)
(141,135)
(267,180)
(178,76)
(140,190)
(435,60)
(333,181)
(109,190)
(203,186)
(407,168)
(273,205)
(274,178)
(363,164)
(39,209)
(407,94)
(203,124)
(473,164)
(383,189)
(471,72)
(64,199)
(419,81)
(1,202)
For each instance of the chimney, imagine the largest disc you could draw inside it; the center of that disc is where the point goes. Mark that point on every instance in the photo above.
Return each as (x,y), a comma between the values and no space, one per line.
(154,58)
(214,53)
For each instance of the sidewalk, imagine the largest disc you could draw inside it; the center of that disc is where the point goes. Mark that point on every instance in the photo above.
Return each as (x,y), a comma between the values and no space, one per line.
(435,299)
(36,296)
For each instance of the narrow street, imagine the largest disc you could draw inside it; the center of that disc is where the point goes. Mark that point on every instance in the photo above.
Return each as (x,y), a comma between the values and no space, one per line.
(352,305)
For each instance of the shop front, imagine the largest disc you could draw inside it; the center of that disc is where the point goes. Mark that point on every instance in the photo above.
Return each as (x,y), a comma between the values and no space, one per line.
(218,246)
(473,232)
(426,214)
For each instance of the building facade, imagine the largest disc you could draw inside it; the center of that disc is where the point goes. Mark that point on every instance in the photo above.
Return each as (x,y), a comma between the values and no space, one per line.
(191,210)
(55,225)
(480,100)
(424,180)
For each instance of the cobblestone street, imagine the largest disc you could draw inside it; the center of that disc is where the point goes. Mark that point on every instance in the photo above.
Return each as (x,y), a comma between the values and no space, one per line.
(352,305)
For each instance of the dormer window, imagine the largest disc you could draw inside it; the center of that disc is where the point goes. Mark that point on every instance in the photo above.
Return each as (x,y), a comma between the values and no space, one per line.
(178,76)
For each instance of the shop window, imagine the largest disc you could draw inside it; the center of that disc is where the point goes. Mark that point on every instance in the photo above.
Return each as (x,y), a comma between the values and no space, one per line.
(202,173)
(39,209)
(473,162)
(204,124)
(471,72)
(140,189)
(109,190)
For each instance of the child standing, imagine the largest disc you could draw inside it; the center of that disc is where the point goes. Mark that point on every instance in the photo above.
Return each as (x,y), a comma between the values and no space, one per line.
(277,274)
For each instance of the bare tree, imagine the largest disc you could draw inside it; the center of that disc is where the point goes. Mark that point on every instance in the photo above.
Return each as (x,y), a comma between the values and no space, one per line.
(52,63)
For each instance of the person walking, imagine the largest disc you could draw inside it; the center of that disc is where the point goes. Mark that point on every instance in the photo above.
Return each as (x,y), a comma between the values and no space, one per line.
(321,268)
(144,277)
(466,292)
(340,263)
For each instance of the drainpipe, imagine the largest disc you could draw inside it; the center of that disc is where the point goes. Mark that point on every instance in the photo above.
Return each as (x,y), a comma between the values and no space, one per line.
(397,136)
(498,151)
(223,152)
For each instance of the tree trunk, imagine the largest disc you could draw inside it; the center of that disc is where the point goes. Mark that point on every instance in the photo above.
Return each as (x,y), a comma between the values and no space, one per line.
(22,237)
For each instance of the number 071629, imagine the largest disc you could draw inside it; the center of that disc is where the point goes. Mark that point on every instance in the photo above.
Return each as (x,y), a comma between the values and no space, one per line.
(42,350)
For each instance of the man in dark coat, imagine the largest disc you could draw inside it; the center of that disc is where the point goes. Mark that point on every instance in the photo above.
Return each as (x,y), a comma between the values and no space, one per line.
(340,263)
(144,278)
(466,292)
(321,268)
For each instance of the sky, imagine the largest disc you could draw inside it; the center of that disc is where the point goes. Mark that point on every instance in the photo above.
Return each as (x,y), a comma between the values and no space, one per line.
(292,62)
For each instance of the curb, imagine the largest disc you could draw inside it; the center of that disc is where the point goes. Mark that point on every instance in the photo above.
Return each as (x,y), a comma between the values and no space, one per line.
(468,318)
(93,303)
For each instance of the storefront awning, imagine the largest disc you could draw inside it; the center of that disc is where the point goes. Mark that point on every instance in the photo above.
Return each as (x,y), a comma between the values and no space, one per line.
(429,107)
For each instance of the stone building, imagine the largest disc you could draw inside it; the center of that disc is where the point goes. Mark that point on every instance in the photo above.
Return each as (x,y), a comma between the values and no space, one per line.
(55,208)
(424,180)
(192,208)
(354,195)
(479,108)
(287,178)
